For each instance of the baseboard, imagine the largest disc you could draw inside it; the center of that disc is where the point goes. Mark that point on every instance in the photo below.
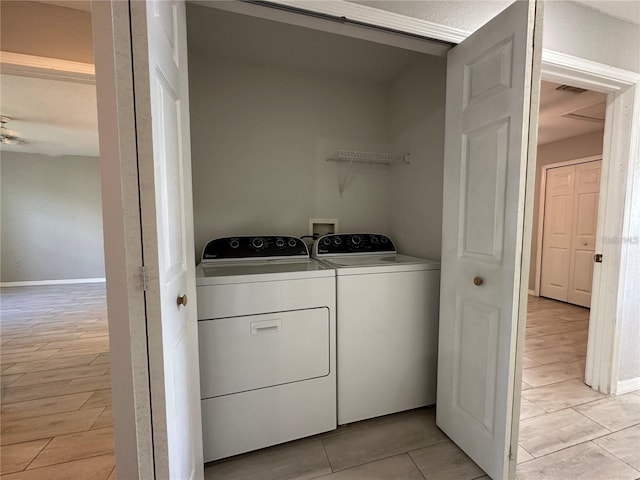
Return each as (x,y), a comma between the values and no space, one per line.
(532,292)
(34,283)
(626,386)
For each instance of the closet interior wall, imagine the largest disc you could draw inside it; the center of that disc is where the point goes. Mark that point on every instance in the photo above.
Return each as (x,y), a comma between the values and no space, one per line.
(270,102)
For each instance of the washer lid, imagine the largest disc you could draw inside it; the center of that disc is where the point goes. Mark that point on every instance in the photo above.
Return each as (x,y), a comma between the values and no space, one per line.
(368,264)
(260,271)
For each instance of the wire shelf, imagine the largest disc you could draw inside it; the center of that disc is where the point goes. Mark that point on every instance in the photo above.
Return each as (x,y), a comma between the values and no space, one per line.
(355,156)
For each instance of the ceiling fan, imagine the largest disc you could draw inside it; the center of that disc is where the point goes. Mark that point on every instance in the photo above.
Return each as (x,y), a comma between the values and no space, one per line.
(7,136)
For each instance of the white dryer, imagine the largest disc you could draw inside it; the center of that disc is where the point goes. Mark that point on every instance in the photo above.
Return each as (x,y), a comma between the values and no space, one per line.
(387,308)
(267,344)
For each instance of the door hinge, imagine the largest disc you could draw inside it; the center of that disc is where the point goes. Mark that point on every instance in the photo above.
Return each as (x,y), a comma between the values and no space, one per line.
(597,258)
(143,277)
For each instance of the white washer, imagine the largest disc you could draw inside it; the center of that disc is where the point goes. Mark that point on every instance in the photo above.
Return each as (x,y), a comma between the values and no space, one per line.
(267,344)
(387,308)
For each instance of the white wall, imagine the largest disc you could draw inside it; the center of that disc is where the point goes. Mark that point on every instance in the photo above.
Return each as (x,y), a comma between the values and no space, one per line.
(584,32)
(51,218)
(629,357)
(260,138)
(417,127)
(580,146)
(569,27)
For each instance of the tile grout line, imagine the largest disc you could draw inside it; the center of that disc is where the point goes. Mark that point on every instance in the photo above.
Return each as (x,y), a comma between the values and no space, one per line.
(611,453)
(67,461)
(99,415)
(408,454)
(37,454)
(596,422)
(326,454)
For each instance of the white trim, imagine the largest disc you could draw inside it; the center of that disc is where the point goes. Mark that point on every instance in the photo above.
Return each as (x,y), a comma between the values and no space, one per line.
(45,67)
(541,199)
(379,18)
(34,283)
(562,68)
(533,293)
(632,96)
(621,155)
(626,386)
(280,13)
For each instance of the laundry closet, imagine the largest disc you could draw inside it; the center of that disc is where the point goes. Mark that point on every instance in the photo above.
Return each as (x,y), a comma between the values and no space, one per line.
(271,104)
(288,125)
(254,136)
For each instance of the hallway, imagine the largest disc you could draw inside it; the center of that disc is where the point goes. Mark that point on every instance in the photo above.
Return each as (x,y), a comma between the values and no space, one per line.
(567,430)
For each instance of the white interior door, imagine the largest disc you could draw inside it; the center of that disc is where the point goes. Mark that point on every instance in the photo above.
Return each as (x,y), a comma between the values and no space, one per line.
(584,225)
(569,232)
(489,80)
(167,218)
(556,233)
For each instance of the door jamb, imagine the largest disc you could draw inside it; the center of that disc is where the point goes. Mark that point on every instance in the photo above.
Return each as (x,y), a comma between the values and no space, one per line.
(620,157)
(624,148)
(541,212)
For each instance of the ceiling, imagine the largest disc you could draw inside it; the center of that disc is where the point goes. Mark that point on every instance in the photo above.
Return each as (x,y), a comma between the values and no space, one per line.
(565,114)
(470,15)
(213,32)
(54,117)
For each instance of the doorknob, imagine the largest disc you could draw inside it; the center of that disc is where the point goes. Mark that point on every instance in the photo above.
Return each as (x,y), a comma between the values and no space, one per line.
(584,243)
(182,300)
(478,281)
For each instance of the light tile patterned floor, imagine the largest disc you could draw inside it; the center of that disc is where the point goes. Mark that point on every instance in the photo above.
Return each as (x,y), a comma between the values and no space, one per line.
(567,430)
(56,387)
(56,408)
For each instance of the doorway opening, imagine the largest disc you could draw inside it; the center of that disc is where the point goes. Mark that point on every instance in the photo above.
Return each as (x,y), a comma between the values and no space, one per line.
(265,119)
(55,361)
(559,411)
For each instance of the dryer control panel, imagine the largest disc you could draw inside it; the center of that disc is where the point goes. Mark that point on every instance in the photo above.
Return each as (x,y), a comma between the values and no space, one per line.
(254,248)
(353,243)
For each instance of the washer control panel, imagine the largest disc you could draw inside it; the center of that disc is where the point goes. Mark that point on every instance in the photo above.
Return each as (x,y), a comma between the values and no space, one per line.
(254,247)
(353,243)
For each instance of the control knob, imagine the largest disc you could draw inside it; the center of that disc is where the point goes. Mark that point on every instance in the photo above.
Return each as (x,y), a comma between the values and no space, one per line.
(234,243)
(257,243)
(337,240)
(292,242)
(356,240)
(374,239)
(279,242)
(326,241)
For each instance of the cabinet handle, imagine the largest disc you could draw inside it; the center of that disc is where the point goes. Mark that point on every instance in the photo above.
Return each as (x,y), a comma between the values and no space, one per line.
(478,281)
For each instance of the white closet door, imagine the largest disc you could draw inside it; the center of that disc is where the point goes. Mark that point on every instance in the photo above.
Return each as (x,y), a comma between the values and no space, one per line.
(557,240)
(584,225)
(569,232)
(489,82)
(167,231)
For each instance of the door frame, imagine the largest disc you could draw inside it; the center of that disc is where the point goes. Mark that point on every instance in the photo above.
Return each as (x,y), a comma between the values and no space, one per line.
(541,211)
(620,156)
(121,210)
